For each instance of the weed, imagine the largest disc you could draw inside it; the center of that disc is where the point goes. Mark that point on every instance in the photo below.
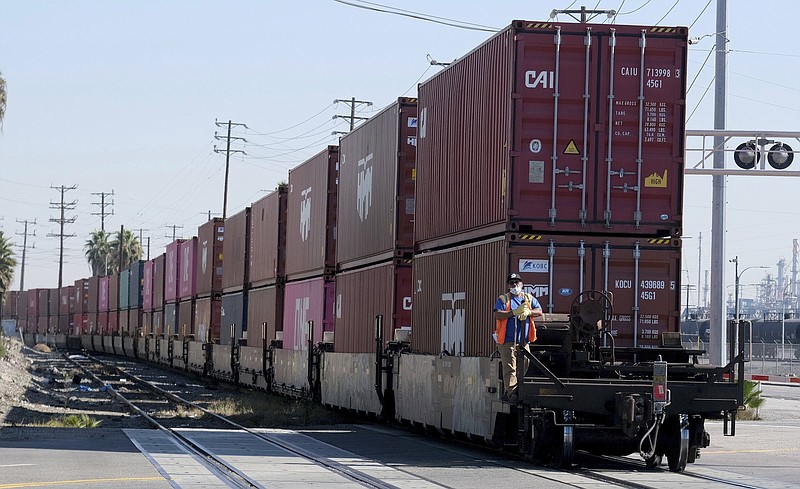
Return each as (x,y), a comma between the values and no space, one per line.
(73,421)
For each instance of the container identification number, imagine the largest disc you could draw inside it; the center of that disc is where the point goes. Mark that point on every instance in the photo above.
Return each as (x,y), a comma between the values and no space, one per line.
(653,284)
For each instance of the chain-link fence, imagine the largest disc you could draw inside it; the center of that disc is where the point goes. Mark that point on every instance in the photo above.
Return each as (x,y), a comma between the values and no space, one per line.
(765,358)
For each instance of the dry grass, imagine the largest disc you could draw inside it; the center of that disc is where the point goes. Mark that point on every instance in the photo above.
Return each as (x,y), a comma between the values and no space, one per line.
(73,421)
(3,348)
(42,348)
(267,411)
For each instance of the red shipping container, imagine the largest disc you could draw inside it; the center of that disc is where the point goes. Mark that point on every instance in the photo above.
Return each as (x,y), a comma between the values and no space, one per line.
(185,324)
(158,281)
(52,324)
(147,285)
(43,304)
(172,269)
(308,300)
(383,289)
(455,289)
(103,284)
(94,294)
(33,304)
(187,279)
(311,217)
(113,292)
(91,323)
(22,305)
(210,238)
(54,298)
(235,251)
(550,153)
(375,219)
(80,324)
(81,296)
(268,238)
(66,300)
(123,322)
(113,321)
(102,322)
(207,317)
(264,314)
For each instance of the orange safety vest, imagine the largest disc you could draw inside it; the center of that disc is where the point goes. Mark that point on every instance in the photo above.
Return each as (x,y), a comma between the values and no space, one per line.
(500,324)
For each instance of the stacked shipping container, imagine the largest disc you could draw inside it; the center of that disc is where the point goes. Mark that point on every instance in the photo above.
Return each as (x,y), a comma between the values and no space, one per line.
(209,270)
(235,275)
(581,149)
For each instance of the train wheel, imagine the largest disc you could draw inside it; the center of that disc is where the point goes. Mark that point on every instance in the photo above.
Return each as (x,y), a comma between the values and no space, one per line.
(653,462)
(564,443)
(677,450)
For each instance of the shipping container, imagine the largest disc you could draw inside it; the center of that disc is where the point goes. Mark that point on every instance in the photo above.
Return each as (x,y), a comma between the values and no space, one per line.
(581,135)
(102,293)
(362,294)
(171,319)
(80,325)
(102,322)
(65,324)
(54,298)
(455,289)
(236,251)
(94,295)
(81,296)
(134,322)
(264,314)
(41,324)
(268,238)
(172,267)
(304,301)
(158,281)
(375,220)
(43,304)
(123,322)
(113,292)
(186,317)
(311,217)
(187,279)
(91,323)
(113,321)
(232,316)
(22,305)
(52,323)
(207,317)
(10,304)
(124,290)
(158,322)
(147,324)
(210,238)
(66,297)
(33,305)
(136,284)
(147,285)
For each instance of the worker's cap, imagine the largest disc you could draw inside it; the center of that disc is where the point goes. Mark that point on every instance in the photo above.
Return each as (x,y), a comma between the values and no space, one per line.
(514,277)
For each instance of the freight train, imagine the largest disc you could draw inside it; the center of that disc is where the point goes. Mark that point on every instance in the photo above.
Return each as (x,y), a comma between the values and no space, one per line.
(552,150)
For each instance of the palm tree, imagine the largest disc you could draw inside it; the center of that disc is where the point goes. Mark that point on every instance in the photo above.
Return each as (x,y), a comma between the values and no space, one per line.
(2,98)
(127,245)
(7,264)
(98,253)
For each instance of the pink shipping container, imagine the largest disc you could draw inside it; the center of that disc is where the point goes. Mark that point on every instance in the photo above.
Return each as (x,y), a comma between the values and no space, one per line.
(383,289)
(147,285)
(207,317)
(81,296)
(113,292)
(455,289)
(94,294)
(54,297)
(311,217)
(102,293)
(172,269)
(187,278)
(210,238)
(264,314)
(375,219)
(268,238)
(66,298)
(579,130)
(304,301)
(158,281)
(235,251)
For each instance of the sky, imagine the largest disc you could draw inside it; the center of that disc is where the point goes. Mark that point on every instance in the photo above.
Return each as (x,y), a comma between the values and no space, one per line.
(123,96)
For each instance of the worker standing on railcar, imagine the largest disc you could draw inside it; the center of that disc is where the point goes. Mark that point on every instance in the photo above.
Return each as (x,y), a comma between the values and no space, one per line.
(514,331)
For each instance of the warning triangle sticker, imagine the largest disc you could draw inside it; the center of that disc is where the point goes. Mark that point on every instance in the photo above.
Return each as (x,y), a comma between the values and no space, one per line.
(571,148)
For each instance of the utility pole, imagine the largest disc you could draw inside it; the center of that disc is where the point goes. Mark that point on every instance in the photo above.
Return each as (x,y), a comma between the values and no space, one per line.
(699,265)
(103,204)
(119,248)
(140,235)
(148,248)
(174,227)
(63,207)
(24,235)
(717,328)
(352,103)
(228,152)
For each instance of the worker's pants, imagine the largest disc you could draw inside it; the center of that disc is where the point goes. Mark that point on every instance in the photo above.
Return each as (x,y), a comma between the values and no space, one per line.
(508,355)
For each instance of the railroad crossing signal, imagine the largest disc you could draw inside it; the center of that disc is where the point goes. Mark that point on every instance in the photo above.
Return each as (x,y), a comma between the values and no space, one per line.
(750,156)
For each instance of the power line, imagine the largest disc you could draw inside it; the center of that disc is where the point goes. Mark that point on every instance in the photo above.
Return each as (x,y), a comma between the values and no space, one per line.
(352,103)
(668,11)
(174,227)
(62,207)
(419,16)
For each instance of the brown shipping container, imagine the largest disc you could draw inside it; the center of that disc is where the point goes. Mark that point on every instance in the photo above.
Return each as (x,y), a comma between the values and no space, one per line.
(147,323)
(81,296)
(185,318)
(66,296)
(455,289)
(187,280)
(22,305)
(172,269)
(113,292)
(113,321)
(123,322)
(134,321)
(362,294)
(43,304)
(65,324)
(311,217)
(158,281)
(158,322)
(210,237)
(52,324)
(235,251)
(55,302)
(94,294)
(41,324)
(207,316)
(375,215)
(534,161)
(10,304)
(264,305)
(102,322)
(268,238)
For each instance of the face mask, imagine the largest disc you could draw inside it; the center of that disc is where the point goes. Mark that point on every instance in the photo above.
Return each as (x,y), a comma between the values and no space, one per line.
(516,290)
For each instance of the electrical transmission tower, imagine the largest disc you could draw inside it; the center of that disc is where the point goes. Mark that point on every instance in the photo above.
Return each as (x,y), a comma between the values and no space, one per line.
(352,103)
(63,207)
(174,227)
(103,204)
(24,235)
(227,152)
